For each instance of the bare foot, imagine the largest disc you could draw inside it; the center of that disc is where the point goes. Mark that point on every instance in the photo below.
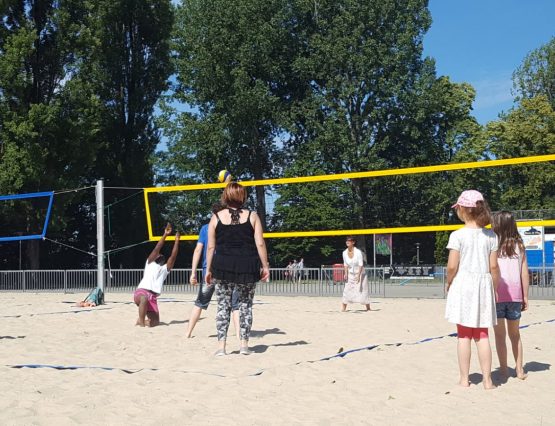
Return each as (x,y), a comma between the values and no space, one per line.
(465,383)
(488,384)
(520,374)
(140,323)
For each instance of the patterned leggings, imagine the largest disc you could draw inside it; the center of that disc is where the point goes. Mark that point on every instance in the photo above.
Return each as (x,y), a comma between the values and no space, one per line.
(224,290)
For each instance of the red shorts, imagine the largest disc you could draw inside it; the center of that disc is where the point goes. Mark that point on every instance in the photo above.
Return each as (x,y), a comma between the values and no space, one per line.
(152,299)
(471,332)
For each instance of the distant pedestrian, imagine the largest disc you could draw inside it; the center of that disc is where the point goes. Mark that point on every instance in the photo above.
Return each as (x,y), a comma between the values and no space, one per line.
(300,268)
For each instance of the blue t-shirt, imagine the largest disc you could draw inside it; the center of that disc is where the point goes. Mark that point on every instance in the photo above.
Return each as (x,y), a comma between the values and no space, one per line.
(203,239)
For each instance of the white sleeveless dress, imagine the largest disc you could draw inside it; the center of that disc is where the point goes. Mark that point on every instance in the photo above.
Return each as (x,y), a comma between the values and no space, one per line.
(471,299)
(355,291)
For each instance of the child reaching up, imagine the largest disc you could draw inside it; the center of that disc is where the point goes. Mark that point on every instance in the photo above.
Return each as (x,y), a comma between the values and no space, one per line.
(472,276)
(150,287)
(512,290)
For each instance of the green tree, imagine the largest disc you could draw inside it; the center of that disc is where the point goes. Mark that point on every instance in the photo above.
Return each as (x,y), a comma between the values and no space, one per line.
(44,136)
(375,103)
(234,73)
(78,84)
(127,69)
(536,74)
(527,130)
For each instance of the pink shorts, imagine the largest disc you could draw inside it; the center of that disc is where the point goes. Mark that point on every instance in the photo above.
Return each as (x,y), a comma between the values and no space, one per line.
(152,299)
(471,333)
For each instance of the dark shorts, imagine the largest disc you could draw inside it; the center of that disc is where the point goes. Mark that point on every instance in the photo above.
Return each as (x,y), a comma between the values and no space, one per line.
(204,297)
(509,310)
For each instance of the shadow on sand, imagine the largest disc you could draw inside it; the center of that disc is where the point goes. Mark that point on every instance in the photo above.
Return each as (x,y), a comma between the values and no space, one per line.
(498,379)
(263,348)
(261,333)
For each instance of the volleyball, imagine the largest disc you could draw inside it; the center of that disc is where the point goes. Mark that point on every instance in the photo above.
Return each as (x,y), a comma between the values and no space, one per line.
(224,176)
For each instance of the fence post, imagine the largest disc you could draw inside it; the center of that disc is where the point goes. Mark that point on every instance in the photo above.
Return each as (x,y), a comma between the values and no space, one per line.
(23,280)
(320,281)
(383,281)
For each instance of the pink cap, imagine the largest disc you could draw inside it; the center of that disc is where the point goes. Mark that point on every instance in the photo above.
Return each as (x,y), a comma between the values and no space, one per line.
(468,199)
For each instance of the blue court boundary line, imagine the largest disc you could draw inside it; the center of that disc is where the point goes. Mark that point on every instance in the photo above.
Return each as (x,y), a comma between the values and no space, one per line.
(94,367)
(96,308)
(76,311)
(425,340)
(46,220)
(257,373)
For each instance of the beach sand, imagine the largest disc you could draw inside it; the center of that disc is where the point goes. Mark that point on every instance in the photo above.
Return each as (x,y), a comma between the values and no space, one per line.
(157,377)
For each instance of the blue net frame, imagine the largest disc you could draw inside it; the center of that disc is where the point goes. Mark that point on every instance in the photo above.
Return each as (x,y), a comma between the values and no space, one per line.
(46,220)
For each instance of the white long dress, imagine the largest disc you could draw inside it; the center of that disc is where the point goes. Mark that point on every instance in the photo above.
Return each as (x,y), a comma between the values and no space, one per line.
(471,299)
(355,290)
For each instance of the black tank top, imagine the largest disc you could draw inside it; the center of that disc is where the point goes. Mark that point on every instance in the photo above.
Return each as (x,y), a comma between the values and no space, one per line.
(235,239)
(236,257)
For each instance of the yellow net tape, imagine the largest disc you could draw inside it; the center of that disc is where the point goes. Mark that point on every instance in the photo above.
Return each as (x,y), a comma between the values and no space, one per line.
(354,175)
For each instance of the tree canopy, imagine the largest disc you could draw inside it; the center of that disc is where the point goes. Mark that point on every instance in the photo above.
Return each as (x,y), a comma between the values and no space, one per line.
(275,88)
(78,84)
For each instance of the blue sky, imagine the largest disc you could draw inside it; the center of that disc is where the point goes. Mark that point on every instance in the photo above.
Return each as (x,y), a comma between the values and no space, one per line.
(483,42)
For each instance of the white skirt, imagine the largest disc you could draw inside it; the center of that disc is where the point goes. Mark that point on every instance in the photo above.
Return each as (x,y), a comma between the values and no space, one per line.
(356,291)
(471,301)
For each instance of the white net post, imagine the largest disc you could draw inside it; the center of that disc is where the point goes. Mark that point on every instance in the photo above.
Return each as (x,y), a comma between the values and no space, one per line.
(100,233)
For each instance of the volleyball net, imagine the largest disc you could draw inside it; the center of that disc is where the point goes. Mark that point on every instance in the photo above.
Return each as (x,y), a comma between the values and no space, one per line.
(402,200)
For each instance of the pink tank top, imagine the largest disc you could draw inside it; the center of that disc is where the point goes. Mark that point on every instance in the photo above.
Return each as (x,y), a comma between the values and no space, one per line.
(510,285)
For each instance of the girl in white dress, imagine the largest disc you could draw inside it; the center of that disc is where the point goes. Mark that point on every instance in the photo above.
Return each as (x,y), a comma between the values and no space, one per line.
(356,282)
(472,277)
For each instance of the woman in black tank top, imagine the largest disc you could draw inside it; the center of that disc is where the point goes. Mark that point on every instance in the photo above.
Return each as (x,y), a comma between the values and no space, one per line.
(236,259)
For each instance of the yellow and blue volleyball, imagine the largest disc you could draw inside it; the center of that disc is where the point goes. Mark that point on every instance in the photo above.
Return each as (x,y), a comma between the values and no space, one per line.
(224,176)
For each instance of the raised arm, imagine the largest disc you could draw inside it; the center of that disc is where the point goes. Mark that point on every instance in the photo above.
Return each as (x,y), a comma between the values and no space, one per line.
(156,251)
(175,250)
(261,247)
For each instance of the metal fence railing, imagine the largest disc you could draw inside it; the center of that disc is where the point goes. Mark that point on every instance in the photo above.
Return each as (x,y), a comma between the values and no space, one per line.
(324,281)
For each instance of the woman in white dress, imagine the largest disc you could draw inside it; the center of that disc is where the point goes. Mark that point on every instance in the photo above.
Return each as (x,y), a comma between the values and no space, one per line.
(356,282)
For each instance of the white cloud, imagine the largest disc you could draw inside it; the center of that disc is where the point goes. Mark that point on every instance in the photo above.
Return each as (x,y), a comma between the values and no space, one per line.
(493,91)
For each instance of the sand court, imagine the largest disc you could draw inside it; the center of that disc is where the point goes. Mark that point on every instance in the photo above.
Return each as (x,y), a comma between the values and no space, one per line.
(104,370)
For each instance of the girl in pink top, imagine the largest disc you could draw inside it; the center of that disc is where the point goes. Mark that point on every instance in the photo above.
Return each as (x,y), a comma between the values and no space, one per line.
(512,290)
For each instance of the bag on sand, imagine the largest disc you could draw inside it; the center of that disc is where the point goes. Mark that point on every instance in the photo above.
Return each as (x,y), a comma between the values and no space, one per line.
(96,296)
